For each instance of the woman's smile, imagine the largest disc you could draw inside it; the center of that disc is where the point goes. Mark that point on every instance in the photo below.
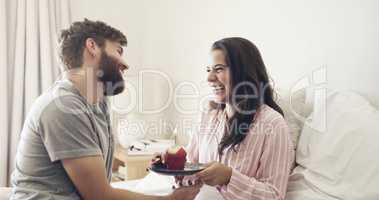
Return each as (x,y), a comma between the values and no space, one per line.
(218,76)
(218,90)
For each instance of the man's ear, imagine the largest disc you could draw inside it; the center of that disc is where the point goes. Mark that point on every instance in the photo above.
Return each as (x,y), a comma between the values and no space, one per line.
(92,47)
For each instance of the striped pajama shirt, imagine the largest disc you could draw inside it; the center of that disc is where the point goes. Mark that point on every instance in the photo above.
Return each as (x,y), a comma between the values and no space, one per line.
(261,163)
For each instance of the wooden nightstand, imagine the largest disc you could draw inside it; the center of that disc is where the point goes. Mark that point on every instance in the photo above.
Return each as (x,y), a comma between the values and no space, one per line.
(136,165)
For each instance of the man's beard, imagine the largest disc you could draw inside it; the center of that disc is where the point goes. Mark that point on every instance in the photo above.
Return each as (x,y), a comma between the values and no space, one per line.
(111,76)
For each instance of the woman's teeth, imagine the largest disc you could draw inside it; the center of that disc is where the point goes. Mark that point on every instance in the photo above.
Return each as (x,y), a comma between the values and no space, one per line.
(218,89)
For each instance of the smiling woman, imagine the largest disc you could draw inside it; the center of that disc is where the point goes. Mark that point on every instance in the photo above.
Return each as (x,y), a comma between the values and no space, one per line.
(244,129)
(240,82)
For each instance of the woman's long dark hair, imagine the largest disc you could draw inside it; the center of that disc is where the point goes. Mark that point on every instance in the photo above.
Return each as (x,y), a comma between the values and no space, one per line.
(249,88)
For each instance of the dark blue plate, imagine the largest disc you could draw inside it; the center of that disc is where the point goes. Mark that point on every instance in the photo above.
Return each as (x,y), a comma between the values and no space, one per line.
(189,169)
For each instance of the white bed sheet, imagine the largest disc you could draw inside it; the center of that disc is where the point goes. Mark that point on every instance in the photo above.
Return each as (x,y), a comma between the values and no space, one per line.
(155,184)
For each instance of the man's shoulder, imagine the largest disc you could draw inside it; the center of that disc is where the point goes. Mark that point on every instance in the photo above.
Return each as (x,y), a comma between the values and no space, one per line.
(56,100)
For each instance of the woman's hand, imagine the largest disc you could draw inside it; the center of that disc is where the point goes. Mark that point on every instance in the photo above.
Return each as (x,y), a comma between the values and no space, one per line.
(215,173)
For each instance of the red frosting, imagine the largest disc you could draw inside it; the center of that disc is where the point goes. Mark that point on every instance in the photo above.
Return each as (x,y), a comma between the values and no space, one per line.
(175,159)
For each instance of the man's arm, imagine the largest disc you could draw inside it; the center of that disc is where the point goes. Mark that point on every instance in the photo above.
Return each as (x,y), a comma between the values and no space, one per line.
(88,176)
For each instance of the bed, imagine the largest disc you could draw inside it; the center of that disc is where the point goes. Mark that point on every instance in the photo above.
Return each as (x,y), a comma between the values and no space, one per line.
(335,151)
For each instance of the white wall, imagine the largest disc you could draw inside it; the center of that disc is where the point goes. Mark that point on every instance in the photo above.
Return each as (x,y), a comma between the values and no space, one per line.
(295,38)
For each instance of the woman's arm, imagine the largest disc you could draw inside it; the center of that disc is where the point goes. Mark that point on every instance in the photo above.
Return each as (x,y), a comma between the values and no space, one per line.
(273,172)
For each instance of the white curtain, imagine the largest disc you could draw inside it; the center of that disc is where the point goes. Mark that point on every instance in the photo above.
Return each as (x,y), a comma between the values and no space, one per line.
(29,64)
(3,97)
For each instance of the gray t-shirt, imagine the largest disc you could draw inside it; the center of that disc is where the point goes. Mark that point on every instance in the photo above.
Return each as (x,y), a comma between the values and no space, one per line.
(60,125)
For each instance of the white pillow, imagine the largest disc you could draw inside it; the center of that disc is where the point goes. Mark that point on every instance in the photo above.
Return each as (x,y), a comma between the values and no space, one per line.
(336,150)
(296,109)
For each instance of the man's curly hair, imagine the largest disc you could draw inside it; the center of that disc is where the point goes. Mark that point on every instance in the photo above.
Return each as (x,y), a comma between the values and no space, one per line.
(73,40)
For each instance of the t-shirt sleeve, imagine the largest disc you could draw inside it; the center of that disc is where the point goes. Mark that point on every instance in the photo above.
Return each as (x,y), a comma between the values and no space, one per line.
(67,131)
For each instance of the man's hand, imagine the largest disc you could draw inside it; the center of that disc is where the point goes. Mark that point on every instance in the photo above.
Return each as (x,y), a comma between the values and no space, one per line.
(89,177)
(187,180)
(186,193)
(215,174)
(158,157)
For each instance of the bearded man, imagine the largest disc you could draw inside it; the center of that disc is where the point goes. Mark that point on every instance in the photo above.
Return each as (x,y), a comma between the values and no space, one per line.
(66,146)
